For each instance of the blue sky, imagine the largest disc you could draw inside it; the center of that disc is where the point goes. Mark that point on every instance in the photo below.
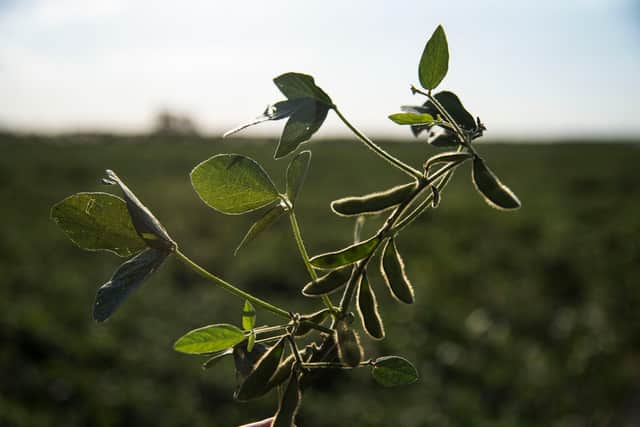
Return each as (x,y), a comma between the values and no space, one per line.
(540,69)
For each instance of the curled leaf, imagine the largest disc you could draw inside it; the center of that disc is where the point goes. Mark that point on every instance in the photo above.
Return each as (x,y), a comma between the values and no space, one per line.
(392,269)
(146,225)
(127,278)
(368,309)
(98,221)
(216,357)
(233,184)
(494,192)
(297,174)
(346,256)
(392,371)
(270,217)
(328,283)
(373,203)
(277,111)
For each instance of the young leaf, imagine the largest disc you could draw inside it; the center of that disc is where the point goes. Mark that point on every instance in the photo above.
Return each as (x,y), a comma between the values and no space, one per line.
(216,357)
(328,283)
(289,403)
(248,316)
(98,221)
(345,256)
(298,85)
(301,126)
(146,225)
(392,371)
(373,203)
(233,184)
(454,107)
(257,382)
(435,60)
(276,111)
(209,339)
(368,308)
(349,349)
(392,268)
(297,174)
(411,118)
(251,341)
(125,280)
(494,192)
(270,217)
(438,136)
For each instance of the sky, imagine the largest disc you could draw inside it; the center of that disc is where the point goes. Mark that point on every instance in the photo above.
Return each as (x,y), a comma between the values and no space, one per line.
(530,69)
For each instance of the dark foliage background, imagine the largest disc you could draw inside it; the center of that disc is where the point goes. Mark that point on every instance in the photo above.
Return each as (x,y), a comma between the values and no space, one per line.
(522,319)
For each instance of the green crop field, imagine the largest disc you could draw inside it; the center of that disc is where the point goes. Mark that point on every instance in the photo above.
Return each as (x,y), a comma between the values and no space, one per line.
(528,318)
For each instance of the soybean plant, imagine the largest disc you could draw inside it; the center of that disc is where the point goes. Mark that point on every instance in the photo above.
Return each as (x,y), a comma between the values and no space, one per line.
(269,357)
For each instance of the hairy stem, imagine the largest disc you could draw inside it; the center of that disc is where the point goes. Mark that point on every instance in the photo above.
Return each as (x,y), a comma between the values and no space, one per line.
(378,150)
(334,365)
(230,288)
(305,256)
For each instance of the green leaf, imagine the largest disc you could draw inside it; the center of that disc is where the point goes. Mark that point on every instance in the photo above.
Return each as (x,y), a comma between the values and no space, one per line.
(328,283)
(257,382)
(411,118)
(434,62)
(216,357)
(276,111)
(392,269)
(298,85)
(128,277)
(349,349)
(494,192)
(454,107)
(297,174)
(301,126)
(209,339)
(368,308)
(146,225)
(373,203)
(233,184)
(98,221)
(270,217)
(248,316)
(346,256)
(251,341)
(392,371)
(450,157)
(289,403)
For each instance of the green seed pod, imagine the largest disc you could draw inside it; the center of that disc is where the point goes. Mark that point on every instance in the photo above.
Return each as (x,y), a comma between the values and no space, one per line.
(349,349)
(392,268)
(328,283)
(368,309)
(495,193)
(289,403)
(373,203)
(257,382)
(283,372)
(317,317)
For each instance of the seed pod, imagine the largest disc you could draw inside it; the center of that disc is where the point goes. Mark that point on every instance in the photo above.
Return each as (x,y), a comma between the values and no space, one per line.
(368,309)
(246,361)
(257,382)
(327,283)
(373,203)
(283,372)
(392,268)
(289,403)
(495,193)
(318,317)
(349,349)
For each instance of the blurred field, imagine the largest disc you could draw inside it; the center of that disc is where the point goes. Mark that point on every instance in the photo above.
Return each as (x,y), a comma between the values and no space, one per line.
(522,319)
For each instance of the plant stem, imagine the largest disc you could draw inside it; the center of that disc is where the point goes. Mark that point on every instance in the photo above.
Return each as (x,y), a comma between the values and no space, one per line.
(378,150)
(333,365)
(305,256)
(230,288)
